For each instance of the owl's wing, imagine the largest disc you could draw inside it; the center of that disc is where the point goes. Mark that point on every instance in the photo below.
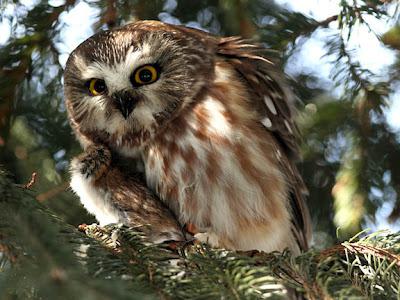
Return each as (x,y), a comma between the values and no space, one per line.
(273,101)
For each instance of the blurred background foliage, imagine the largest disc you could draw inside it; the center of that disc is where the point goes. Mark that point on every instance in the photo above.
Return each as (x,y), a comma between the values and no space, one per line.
(351,154)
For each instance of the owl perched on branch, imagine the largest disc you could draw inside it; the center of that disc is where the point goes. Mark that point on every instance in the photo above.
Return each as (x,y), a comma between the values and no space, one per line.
(206,120)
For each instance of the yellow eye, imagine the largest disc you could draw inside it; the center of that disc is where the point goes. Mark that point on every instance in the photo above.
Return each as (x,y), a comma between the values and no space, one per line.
(96,86)
(145,75)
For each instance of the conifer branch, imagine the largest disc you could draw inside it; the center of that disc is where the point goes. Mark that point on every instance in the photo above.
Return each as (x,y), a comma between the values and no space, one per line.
(364,268)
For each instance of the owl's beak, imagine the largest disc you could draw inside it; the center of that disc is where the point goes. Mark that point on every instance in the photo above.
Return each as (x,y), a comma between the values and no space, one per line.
(125,102)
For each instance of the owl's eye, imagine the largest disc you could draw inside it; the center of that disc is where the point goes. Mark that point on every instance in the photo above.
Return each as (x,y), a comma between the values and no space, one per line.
(96,86)
(145,75)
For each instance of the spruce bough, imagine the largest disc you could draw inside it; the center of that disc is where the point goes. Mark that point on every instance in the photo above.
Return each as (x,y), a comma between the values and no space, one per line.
(44,257)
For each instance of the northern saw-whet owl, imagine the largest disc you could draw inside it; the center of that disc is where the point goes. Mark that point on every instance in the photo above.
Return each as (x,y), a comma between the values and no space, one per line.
(205,124)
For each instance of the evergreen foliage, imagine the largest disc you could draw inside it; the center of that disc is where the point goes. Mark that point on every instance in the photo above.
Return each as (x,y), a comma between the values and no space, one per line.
(350,165)
(46,258)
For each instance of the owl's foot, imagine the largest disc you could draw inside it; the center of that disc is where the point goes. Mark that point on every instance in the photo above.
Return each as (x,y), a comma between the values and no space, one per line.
(92,163)
(199,237)
(209,238)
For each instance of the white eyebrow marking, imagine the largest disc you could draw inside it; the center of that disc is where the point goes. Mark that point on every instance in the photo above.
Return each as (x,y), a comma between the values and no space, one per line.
(117,74)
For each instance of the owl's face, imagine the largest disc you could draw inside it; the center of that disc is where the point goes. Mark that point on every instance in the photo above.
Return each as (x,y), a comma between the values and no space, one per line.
(123,86)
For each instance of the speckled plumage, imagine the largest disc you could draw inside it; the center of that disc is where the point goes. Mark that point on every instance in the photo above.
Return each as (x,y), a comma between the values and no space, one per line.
(214,135)
(116,195)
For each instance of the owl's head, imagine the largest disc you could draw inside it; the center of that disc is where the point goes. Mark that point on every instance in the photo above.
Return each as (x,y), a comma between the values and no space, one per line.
(123,86)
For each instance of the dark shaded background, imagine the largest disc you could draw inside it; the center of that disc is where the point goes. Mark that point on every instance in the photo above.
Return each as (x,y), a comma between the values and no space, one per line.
(351,156)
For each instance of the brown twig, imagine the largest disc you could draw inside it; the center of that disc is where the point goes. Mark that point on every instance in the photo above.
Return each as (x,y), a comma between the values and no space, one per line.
(360,248)
(32,181)
(82,227)
(367,249)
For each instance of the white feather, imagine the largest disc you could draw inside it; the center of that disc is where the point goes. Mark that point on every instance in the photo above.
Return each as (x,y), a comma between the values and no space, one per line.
(217,122)
(266,122)
(270,105)
(95,200)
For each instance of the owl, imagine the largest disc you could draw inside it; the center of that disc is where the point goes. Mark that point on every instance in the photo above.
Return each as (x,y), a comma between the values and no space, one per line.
(206,120)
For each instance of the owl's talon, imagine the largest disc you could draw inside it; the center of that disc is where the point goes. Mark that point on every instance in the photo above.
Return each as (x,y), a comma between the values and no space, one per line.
(207,238)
